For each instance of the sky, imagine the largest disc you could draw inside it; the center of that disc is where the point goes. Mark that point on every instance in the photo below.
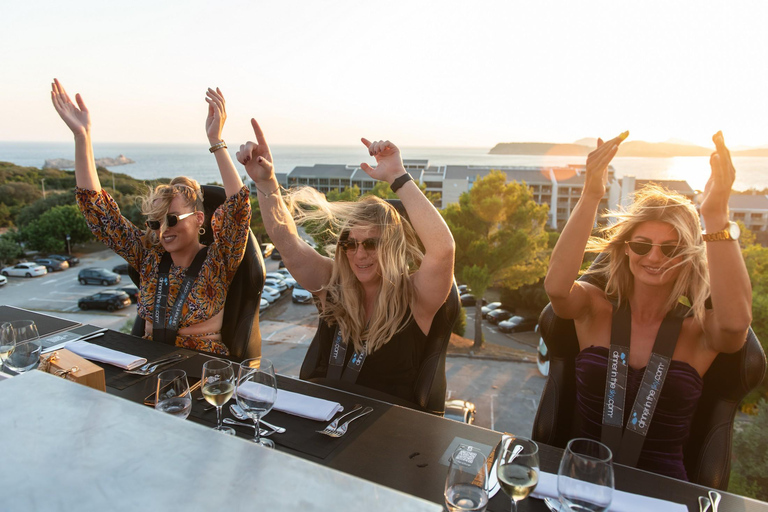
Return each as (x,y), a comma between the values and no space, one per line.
(448,73)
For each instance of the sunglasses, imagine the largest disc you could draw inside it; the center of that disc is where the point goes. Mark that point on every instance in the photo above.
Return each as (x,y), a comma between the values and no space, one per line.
(350,244)
(643,248)
(172,220)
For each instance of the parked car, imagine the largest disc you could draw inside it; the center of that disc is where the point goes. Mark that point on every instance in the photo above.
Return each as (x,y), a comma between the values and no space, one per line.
(25,269)
(300,295)
(3,280)
(490,307)
(283,271)
(132,292)
(72,260)
(266,250)
(121,269)
(276,255)
(542,355)
(286,280)
(107,299)
(517,324)
(52,265)
(463,288)
(278,285)
(497,315)
(468,299)
(270,294)
(264,304)
(102,276)
(459,410)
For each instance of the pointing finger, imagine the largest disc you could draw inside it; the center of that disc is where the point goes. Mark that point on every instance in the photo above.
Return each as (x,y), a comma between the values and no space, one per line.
(259,134)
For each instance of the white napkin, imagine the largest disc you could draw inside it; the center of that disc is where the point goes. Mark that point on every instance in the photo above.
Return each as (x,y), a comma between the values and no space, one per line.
(621,502)
(105,355)
(294,403)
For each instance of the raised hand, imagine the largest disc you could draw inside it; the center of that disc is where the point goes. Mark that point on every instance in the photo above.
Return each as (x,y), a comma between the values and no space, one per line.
(77,117)
(256,157)
(217,115)
(389,164)
(597,165)
(714,203)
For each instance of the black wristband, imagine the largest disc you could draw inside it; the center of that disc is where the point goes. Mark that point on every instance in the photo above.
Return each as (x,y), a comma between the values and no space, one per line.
(400,181)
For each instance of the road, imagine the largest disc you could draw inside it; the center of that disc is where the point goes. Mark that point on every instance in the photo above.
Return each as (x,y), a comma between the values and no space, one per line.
(506,394)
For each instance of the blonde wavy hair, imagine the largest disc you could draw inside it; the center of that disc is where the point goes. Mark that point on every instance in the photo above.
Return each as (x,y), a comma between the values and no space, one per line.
(398,254)
(156,203)
(655,203)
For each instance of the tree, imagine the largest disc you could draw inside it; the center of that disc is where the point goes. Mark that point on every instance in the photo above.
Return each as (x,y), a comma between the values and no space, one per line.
(49,232)
(10,249)
(500,237)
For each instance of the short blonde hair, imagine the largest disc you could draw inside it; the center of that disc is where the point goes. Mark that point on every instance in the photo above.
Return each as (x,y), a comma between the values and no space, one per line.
(655,203)
(156,203)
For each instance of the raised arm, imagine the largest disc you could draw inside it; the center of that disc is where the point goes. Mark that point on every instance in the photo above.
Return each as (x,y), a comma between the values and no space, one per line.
(731,292)
(434,278)
(214,124)
(569,297)
(310,269)
(78,119)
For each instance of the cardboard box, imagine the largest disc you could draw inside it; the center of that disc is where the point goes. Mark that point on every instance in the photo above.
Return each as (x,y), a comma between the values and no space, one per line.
(72,367)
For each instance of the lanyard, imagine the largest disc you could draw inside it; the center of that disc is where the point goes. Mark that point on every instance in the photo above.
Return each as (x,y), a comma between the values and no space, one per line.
(164,329)
(336,368)
(627,443)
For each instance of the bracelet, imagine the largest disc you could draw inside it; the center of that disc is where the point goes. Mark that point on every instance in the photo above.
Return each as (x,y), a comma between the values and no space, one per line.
(220,145)
(400,181)
(274,192)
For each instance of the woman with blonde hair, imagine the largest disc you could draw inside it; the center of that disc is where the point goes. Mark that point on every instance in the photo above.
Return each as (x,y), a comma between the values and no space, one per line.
(183,282)
(649,337)
(378,294)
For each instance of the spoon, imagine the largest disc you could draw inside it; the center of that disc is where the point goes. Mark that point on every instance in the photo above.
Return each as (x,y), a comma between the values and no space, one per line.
(239,413)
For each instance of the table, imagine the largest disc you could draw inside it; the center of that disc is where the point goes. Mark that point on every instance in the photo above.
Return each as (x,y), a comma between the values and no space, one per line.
(396,447)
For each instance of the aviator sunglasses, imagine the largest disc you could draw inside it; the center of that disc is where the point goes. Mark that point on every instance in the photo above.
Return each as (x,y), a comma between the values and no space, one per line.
(350,244)
(172,220)
(643,248)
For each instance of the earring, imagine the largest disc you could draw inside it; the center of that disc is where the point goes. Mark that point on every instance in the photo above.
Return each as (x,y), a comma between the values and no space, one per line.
(201,231)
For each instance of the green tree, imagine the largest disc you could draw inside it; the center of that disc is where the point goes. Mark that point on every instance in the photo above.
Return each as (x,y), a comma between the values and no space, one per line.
(10,250)
(749,470)
(500,238)
(349,194)
(34,210)
(48,233)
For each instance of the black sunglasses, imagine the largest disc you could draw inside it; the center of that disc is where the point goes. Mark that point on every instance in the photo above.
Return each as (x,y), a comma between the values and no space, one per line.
(172,220)
(350,244)
(643,248)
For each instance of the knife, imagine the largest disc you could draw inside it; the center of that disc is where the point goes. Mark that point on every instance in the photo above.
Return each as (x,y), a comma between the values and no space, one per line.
(150,400)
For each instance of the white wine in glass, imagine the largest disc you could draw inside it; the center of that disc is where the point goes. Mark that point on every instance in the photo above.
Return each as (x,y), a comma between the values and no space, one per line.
(218,387)
(518,469)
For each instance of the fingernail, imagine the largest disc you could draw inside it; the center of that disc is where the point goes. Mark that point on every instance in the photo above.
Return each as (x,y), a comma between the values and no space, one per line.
(624,135)
(260,159)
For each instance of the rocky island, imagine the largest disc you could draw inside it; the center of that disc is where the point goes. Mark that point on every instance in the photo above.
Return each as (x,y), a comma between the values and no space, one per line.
(63,163)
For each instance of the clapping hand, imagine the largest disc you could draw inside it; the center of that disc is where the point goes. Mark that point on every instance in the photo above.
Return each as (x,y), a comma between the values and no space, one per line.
(217,115)
(389,164)
(714,204)
(256,157)
(77,117)
(597,165)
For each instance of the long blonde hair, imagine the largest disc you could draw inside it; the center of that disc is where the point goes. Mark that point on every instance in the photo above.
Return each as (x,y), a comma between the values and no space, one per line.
(655,203)
(156,203)
(398,256)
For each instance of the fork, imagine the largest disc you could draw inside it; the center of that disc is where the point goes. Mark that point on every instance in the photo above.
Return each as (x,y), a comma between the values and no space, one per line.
(157,361)
(335,423)
(151,369)
(343,428)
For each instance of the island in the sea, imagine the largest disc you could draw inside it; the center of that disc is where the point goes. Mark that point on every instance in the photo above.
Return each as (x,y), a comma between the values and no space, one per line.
(63,163)
(636,148)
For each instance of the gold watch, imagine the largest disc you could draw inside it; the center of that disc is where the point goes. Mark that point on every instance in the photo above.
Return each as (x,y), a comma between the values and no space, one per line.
(731,232)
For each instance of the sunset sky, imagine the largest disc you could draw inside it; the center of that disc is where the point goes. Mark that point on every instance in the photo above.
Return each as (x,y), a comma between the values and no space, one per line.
(443,73)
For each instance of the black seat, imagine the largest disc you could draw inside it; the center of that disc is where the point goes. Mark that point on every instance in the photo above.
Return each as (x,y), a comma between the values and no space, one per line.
(240,325)
(430,386)
(708,452)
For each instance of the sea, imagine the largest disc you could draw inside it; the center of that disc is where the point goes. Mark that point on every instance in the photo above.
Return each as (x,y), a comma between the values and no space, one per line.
(169,160)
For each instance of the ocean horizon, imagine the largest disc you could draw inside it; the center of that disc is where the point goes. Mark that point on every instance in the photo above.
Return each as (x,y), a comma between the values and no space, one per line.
(193,160)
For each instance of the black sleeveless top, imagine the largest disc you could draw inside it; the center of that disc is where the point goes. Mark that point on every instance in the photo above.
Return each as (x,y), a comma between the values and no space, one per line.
(392,369)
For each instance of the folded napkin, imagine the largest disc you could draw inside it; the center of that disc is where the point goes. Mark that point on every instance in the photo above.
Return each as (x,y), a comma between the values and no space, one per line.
(621,502)
(105,355)
(293,403)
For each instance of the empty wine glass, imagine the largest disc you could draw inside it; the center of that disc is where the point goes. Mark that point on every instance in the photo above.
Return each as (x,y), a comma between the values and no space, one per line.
(466,483)
(218,387)
(256,392)
(585,478)
(26,355)
(518,469)
(173,396)
(7,341)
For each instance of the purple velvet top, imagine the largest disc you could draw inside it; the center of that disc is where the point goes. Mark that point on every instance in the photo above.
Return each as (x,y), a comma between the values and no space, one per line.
(663,448)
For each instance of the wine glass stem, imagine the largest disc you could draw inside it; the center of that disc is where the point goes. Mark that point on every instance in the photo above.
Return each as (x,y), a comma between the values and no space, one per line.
(218,416)
(257,436)
(514,505)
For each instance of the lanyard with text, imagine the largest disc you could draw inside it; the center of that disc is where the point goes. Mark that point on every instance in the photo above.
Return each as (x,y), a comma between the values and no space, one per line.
(164,329)
(627,444)
(336,363)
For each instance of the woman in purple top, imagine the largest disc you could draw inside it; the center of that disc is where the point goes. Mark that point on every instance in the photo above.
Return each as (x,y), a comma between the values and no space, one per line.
(659,269)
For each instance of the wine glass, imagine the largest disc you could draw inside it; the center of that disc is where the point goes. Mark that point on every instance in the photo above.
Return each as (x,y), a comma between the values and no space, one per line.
(256,392)
(466,483)
(26,355)
(172,395)
(7,341)
(218,387)
(585,478)
(518,469)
